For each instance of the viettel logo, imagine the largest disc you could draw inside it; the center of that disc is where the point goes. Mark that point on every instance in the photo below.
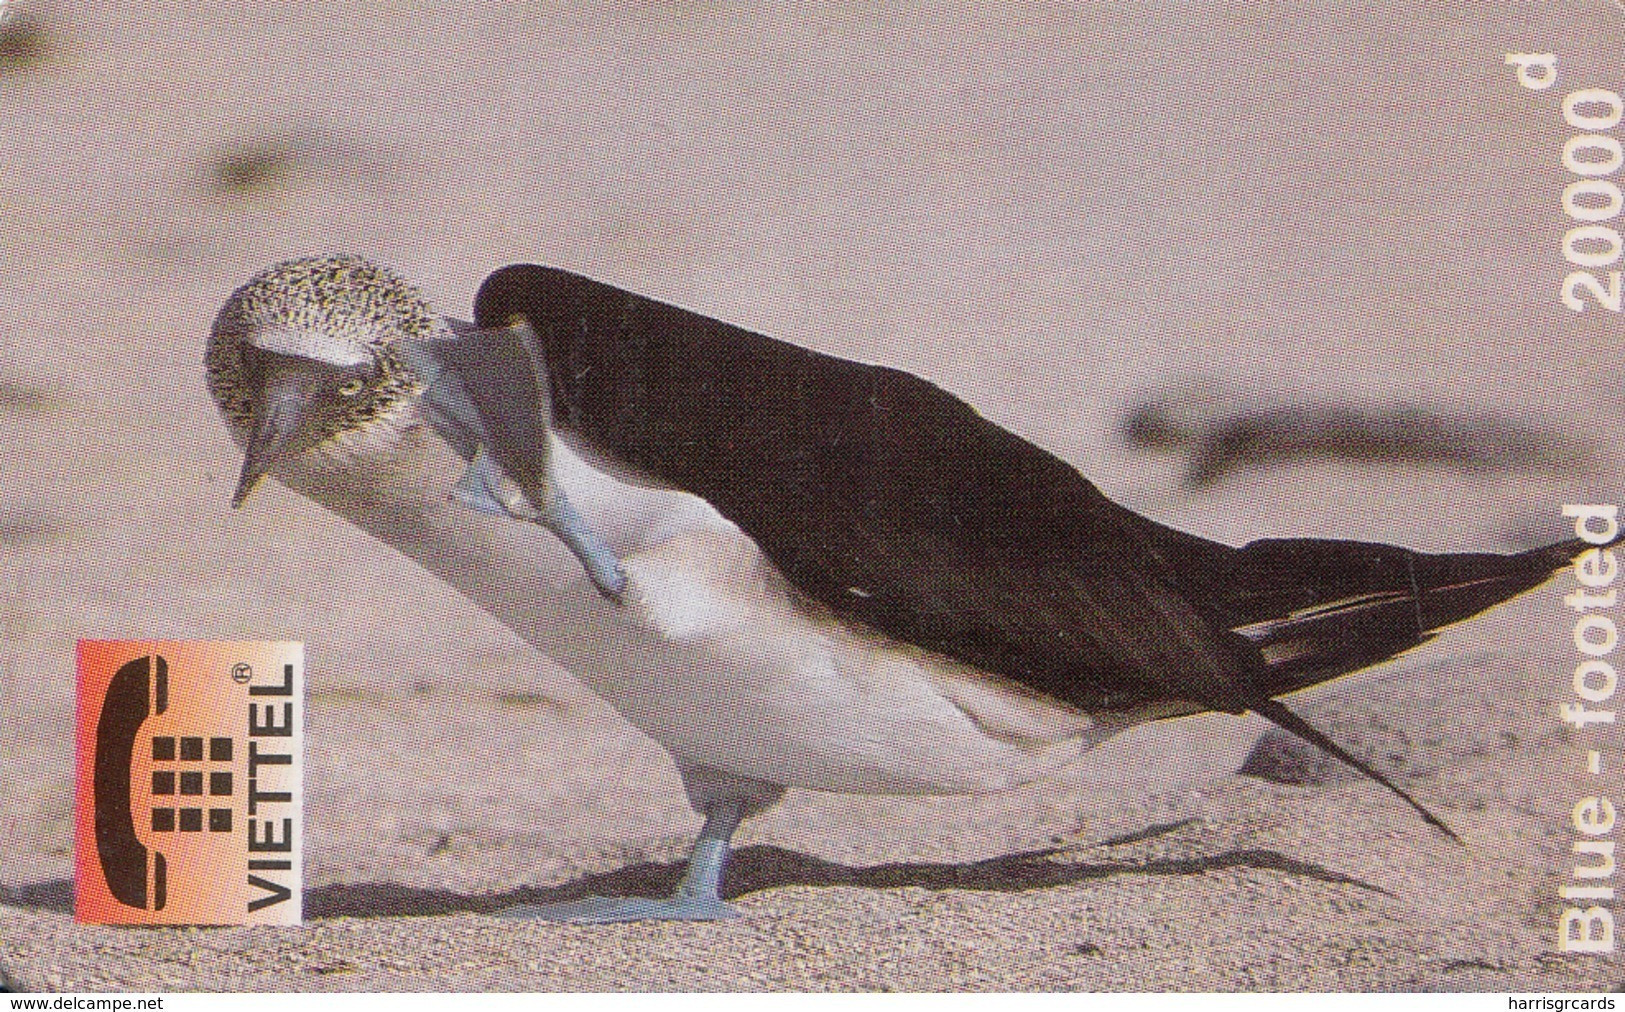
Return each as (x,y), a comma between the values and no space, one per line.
(190,801)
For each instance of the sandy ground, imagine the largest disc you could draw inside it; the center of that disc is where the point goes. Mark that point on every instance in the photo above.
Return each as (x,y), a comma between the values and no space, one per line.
(1055,212)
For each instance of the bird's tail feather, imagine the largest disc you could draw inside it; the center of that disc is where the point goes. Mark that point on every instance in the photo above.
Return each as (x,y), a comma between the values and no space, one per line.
(1277,712)
(1320,609)
(1367,603)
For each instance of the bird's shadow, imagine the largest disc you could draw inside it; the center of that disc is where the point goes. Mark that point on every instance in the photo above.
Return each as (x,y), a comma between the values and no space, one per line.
(756,869)
(760,868)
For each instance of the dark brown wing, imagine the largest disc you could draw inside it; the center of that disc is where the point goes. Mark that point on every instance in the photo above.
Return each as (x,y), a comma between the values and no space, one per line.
(884,497)
(893,502)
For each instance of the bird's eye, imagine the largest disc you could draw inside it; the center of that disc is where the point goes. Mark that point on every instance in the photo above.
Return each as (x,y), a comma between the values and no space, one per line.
(351,388)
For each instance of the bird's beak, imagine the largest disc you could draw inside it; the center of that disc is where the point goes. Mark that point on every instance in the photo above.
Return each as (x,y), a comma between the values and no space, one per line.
(280,421)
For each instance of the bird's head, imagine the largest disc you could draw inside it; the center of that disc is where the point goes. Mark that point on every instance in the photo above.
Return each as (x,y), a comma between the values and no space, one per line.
(300,357)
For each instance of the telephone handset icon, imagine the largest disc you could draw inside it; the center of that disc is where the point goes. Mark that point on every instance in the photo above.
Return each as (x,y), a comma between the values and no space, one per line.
(139,689)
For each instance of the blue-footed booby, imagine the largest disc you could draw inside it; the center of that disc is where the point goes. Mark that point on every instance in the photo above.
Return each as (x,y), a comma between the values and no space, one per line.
(788,569)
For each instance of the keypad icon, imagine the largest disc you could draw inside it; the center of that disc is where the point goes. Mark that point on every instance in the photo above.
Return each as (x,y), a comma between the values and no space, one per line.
(187,785)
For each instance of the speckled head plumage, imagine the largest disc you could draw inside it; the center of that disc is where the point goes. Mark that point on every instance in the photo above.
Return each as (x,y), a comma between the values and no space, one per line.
(325,325)
(324,304)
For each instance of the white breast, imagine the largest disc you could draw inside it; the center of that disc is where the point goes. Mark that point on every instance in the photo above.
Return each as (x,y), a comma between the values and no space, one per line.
(712,654)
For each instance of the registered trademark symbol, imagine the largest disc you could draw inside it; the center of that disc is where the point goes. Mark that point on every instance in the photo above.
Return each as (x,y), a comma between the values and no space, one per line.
(241,673)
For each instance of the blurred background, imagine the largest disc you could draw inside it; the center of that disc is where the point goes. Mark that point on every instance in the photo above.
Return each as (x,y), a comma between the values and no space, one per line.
(1256,268)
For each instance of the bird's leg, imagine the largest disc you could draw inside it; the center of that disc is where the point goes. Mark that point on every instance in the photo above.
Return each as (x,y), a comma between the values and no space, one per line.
(697,897)
(486,488)
(726,800)
(702,881)
(597,558)
(487,397)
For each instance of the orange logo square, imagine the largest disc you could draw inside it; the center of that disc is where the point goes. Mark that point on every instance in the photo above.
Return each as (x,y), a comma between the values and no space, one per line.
(189,806)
